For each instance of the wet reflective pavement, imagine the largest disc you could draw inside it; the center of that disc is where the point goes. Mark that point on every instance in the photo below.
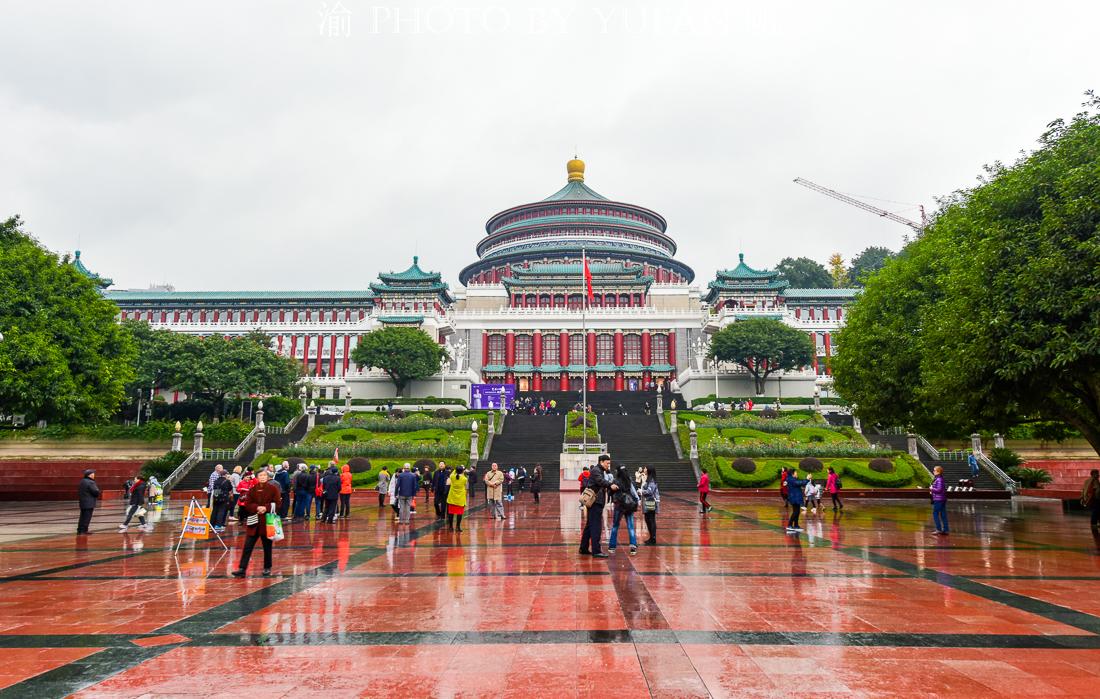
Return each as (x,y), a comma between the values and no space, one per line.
(868,603)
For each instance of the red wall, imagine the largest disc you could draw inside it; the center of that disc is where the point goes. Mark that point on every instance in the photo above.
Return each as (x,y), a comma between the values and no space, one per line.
(1067,474)
(57,479)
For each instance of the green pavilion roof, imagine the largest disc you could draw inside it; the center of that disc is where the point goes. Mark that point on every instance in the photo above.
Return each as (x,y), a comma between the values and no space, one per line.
(412,274)
(412,280)
(401,320)
(576,190)
(103,282)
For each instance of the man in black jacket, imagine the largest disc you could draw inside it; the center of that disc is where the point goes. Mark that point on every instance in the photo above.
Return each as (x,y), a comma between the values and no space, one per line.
(599,481)
(440,489)
(330,484)
(88,494)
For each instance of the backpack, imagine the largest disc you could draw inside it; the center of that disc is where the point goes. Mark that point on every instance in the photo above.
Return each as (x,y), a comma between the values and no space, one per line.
(628,503)
(839,485)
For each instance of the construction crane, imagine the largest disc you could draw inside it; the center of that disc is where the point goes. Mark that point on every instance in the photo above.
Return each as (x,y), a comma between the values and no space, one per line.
(918,227)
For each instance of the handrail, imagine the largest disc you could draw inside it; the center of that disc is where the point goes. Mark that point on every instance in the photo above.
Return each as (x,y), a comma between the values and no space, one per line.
(927,446)
(248,439)
(579,448)
(181,470)
(996,471)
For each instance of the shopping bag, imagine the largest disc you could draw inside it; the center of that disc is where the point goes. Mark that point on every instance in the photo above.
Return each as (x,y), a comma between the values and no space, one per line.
(274,527)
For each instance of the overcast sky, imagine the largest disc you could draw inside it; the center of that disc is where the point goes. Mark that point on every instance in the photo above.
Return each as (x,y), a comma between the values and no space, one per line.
(309,145)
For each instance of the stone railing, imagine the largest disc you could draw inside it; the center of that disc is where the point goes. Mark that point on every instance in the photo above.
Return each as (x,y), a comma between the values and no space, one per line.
(929,449)
(181,470)
(994,470)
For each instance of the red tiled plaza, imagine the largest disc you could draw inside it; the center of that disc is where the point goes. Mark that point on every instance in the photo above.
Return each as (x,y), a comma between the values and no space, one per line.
(865,604)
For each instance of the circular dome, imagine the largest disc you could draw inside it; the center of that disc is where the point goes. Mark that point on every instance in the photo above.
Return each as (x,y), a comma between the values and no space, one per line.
(575,168)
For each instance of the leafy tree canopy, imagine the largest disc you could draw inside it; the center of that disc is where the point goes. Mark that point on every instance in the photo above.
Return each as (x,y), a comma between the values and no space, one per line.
(804,273)
(868,262)
(992,317)
(63,356)
(404,353)
(838,273)
(214,367)
(763,346)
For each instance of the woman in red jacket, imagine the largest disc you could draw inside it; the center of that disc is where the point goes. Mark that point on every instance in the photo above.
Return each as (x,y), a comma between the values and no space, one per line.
(247,481)
(263,497)
(704,490)
(345,492)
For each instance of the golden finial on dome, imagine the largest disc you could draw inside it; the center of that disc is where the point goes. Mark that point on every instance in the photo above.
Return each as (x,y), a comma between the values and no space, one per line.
(575,168)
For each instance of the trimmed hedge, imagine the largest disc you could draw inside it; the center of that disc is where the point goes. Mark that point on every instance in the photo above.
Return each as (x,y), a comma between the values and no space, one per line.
(767,400)
(765,473)
(902,474)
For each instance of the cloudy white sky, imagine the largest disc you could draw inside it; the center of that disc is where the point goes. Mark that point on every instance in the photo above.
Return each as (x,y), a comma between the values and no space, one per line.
(310,144)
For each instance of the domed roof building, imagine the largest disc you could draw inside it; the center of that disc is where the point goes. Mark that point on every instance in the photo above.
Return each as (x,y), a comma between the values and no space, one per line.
(555,230)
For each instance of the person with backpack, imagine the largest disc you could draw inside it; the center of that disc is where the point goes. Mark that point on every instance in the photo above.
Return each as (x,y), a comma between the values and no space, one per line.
(832,484)
(137,505)
(521,478)
(330,489)
(625,504)
(221,494)
(303,492)
(1090,497)
(938,491)
(601,484)
(794,494)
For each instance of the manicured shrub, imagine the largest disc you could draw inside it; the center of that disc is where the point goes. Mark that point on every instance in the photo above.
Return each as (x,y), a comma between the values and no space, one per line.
(359,464)
(421,463)
(769,413)
(162,466)
(397,414)
(721,413)
(444,413)
(744,465)
(1005,458)
(348,437)
(902,473)
(763,475)
(881,465)
(811,464)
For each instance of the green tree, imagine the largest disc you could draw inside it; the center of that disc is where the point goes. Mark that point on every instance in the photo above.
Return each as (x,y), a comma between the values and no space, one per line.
(838,273)
(405,354)
(868,262)
(214,367)
(763,346)
(160,356)
(1002,295)
(63,356)
(804,273)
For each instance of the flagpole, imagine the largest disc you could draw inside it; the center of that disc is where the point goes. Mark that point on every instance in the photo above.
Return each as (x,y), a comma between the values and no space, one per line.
(584,334)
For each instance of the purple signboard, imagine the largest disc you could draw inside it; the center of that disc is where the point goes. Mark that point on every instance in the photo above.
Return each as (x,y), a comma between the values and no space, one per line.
(488,396)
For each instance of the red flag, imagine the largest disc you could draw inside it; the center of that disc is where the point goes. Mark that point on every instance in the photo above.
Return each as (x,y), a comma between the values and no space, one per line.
(588,281)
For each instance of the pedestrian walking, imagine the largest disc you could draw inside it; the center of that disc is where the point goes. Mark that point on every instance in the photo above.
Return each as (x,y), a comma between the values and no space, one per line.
(263,497)
(1090,497)
(345,492)
(494,482)
(318,491)
(972,462)
(137,504)
(651,503)
(247,481)
(536,482)
(426,482)
(794,495)
(234,480)
(330,488)
(457,486)
(392,492)
(521,478)
(209,489)
(624,505)
(600,483)
(88,495)
(938,490)
(704,491)
(383,486)
(406,491)
(832,484)
(509,484)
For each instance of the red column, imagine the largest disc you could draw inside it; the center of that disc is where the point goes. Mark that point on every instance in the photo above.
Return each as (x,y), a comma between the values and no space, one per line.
(347,353)
(509,377)
(563,382)
(563,354)
(484,349)
(672,350)
(510,349)
(619,381)
(536,350)
(618,350)
(813,341)
(590,360)
(305,352)
(647,348)
(797,313)
(592,381)
(536,381)
(320,341)
(828,353)
(332,356)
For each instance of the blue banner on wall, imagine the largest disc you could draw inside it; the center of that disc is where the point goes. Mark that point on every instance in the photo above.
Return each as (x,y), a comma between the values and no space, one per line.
(489,396)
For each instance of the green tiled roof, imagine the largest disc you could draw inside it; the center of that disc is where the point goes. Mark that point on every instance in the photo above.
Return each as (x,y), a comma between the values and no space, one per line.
(123,296)
(743,271)
(401,319)
(576,191)
(821,293)
(103,282)
(412,274)
(750,316)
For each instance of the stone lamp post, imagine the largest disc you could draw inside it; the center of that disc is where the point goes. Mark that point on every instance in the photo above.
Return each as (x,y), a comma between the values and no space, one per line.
(259,412)
(311,415)
(198,437)
(177,437)
(473,441)
(261,437)
(694,440)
